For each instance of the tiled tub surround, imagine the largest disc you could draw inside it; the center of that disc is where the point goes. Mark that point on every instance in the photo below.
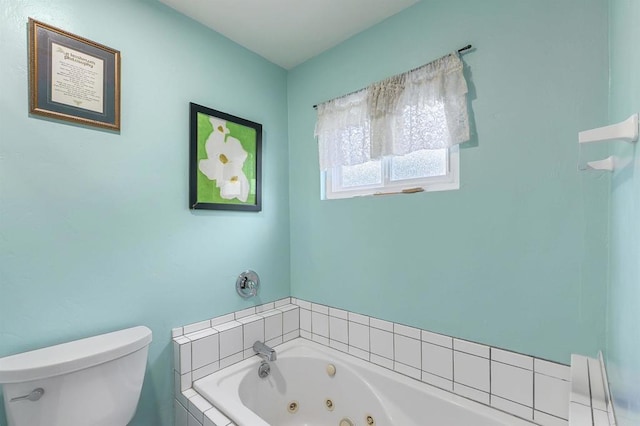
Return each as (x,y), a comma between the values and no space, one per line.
(591,403)
(527,387)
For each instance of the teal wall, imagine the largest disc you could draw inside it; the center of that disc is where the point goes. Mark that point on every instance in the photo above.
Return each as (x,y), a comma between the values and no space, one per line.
(623,333)
(516,258)
(95,233)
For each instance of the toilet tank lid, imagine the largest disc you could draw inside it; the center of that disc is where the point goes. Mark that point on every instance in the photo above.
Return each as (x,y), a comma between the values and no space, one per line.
(72,356)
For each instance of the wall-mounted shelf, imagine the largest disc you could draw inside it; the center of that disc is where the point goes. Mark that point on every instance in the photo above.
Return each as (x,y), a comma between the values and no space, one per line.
(607,164)
(626,131)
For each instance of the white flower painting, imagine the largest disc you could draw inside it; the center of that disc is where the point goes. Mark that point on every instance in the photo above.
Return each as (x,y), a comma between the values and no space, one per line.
(225,161)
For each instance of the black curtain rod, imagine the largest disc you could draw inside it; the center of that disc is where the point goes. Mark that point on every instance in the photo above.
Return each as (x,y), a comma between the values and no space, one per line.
(461,50)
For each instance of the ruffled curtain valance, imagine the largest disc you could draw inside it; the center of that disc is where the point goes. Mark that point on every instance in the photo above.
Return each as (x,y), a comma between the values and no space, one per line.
(425,108)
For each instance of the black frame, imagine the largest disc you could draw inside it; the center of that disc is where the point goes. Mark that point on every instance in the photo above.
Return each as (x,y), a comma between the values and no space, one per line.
(194,171)
(41,36)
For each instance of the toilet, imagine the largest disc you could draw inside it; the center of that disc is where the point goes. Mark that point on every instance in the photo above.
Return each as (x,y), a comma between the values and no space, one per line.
(89,382)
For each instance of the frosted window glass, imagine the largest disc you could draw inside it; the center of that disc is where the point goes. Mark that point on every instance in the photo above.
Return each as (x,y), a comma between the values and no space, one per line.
(362,174)
(419,164)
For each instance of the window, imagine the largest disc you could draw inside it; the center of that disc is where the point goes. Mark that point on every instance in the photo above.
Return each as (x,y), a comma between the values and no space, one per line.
(429,170)
(397,135)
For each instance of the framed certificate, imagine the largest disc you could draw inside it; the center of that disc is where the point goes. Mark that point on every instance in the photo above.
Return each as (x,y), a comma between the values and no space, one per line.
(72,78)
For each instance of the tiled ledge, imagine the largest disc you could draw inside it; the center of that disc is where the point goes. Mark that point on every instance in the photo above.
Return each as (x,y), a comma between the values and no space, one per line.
(591,403)
(527,387)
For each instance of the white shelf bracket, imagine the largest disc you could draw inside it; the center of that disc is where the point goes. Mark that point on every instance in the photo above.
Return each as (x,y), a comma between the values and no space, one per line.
(625,131)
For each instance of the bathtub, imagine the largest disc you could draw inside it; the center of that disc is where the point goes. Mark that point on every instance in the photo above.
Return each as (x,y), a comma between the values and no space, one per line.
(301,391)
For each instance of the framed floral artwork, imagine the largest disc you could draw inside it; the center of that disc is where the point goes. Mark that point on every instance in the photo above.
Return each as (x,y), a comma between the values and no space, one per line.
(225,161)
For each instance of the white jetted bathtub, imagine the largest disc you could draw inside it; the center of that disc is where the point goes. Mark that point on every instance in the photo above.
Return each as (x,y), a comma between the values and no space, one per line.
(300,390)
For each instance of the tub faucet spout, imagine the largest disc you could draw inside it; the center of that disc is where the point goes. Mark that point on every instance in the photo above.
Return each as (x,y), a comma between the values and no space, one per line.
(264,351)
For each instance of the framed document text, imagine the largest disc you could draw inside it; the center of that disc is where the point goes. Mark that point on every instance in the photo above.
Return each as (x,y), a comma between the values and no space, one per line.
(72,78)
(224,161)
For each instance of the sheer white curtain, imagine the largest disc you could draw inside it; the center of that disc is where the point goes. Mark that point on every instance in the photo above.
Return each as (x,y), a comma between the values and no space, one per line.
(425,108)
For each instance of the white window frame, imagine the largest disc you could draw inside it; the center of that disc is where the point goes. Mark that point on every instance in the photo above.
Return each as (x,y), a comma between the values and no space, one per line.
(331,189)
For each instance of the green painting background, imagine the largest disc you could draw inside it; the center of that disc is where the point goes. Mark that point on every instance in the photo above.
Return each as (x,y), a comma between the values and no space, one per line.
(208,192)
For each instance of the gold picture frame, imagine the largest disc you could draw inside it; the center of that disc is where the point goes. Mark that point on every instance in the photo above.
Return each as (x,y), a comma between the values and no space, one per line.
(72,78)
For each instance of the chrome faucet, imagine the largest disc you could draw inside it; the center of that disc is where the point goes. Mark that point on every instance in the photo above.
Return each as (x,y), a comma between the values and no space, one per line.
(264,351)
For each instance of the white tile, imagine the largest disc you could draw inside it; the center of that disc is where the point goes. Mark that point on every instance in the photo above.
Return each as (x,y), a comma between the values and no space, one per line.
(552,395)
(359,336)
(381,361)
(471,393)
(580,392)
(320,324)
(320,339)
(407,351)
(201,334)
(512,407)
(305,320)
(598,399)
(273,326)
(274,342)
(197,406)
(320,308)
(381,342)
(407,331)
(290,320)
(343,347)
(437,381)
(407,370)
(360,319)
(185,381)
(338,313)
(230,360)
(285,308)
(253,332)
(357,352)
(176,389)
(222,319)
(196,326)
(213,417)
(304,304)
(245,312)
(338,329)
(290,336)
(600,418)
(180,413)
(552,369)
(512,358)
(471,370)
(545,419)
(265,307)
(204,351)
(381,324)
(185,358)
(282,302)
(176,356)
(227,326)
(188,394)
(192,421)
(437,339)
(305,334)
(437,360)
(512,383)
(471,348)
(175,332)
(230,342)
(206,370)
(579,414)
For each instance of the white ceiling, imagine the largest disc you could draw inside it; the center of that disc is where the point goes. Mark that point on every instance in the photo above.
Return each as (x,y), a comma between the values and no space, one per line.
(288,32)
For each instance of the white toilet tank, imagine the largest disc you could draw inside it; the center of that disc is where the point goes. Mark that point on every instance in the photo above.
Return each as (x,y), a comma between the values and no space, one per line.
(90,382)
